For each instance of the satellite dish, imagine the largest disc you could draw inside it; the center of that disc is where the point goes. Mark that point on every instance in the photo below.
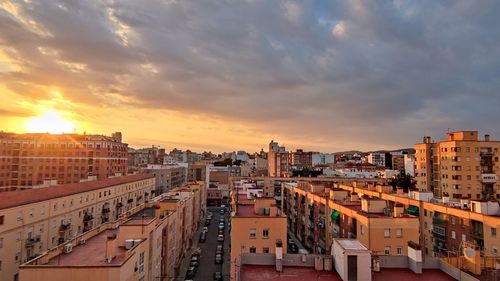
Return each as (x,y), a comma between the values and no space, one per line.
(470,252)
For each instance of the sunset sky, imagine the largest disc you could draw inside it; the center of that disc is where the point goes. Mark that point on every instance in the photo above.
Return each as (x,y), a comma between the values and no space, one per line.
(228,75)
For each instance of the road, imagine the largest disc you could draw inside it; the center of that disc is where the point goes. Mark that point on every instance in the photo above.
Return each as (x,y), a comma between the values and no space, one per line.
(207,265)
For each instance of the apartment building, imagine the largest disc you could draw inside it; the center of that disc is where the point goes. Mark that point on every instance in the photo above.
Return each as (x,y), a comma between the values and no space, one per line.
(462,166)
(34,220)
(318,213)
(257,226)
(167,176)
(278,160)
(377,158)
(301,159)
(28,160)
(148,243)
(142,157)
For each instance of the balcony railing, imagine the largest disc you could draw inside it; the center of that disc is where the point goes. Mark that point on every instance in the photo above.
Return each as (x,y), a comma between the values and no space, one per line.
(439,221)
(440,230)
(477,234)
(87,217)
(65,227)
(30,242)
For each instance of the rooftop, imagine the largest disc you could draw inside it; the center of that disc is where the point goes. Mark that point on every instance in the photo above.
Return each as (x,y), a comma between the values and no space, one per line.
(351,244)
(269,273)
(22,197)
(92,253)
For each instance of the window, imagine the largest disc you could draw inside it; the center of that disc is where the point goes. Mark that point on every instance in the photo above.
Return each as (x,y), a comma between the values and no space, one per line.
(452,220)
(387,232)
(361,229)
(387,250)
(18,236)
(493,231)
(141,262)
(399,251)
(453,235)
(265,233)
(1,220)
(1,243)
(20,216)
(252,233)
(399,232)
(464,238)
(265,250)
(253,250)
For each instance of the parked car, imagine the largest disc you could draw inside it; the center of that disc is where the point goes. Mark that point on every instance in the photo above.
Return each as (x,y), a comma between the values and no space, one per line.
(221,220)
(193,264)
(219,249)
(205,229)
(220,238)
(218,258)
(293,248)
(207,222)
(203,237)
(221,225)
(221,212)
(221,231)
(191,272)
(218,276)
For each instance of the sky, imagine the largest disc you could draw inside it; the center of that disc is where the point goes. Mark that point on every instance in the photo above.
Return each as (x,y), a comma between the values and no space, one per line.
(234,75)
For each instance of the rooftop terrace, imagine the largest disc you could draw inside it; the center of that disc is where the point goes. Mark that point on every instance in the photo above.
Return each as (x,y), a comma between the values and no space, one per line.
(269,273)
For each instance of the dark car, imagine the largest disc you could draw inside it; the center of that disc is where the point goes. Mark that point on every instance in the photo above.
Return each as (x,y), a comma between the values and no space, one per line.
(221,211)
(218,258)
(191,272)
(221,220)
(293,248)
(218,276)
(220,249)
(221,231)
(193,264)
(207,222)
(203,237)
(221,226)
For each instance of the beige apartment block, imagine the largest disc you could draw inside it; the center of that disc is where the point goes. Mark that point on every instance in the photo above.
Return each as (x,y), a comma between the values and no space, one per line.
(257,226)
(146,244)
(35,220)
(462,166)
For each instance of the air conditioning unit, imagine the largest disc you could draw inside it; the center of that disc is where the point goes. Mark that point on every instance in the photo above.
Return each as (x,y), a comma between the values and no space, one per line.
(68,248)
(82,241)
(129,243)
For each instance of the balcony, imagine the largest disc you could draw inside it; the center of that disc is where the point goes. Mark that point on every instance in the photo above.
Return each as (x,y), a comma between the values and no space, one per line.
(65,226)
(488,178)
(105,210)
(119,205)
(30,242)
(130,200)
(477,234)
(87,217)
(439,221)
(439,230)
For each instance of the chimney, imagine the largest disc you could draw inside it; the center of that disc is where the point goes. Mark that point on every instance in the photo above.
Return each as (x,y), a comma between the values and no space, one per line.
(487,137)
(398,210)
(110,248)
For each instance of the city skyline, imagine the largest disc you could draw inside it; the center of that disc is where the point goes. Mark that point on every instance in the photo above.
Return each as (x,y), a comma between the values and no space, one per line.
(212,76)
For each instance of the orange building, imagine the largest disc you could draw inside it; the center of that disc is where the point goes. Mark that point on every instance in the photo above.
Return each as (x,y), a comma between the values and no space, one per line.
(28,160)
(257,226)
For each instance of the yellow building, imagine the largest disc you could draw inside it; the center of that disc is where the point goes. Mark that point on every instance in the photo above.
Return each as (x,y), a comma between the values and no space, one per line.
(33,221)
(257,226)
(462,166)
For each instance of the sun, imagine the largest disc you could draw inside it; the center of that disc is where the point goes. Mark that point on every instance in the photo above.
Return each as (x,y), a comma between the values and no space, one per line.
(50,122)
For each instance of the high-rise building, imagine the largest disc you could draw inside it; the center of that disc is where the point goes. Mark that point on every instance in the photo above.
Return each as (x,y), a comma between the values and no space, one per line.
(29,160)
(462,166)
(278,160)
(377,158)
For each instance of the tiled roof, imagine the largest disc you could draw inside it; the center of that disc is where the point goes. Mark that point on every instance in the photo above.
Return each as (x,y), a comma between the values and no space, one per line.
(28,196)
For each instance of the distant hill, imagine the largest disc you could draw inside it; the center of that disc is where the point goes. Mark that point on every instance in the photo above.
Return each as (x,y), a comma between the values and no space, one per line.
(404,150)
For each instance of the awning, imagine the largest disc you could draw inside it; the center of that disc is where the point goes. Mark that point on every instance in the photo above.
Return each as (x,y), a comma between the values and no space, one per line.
(413,210)
(334,215)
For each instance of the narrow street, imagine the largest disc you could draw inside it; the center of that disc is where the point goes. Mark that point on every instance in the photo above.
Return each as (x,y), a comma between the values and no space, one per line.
(207,265)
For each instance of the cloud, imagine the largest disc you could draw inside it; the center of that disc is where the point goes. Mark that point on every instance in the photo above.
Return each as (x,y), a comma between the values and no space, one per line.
(391,72)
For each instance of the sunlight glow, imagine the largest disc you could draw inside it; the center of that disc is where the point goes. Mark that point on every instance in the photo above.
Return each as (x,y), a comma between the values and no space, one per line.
(50,122)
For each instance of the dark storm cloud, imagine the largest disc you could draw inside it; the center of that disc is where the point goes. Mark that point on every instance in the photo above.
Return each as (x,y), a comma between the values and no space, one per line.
(370,71)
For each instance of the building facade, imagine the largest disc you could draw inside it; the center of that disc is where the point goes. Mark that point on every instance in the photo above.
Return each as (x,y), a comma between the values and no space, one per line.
(30,160)
(33,221)
(167,176)
(462,166)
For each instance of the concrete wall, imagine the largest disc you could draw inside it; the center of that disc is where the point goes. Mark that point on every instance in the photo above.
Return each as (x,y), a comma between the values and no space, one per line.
(393,261)
(455,272)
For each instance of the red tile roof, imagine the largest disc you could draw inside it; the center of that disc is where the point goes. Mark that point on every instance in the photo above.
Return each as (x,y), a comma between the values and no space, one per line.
(28,196)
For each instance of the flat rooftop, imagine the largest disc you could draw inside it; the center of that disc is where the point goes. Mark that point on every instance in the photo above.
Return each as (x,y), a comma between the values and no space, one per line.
(92,253)
(269,273)
(351,244)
